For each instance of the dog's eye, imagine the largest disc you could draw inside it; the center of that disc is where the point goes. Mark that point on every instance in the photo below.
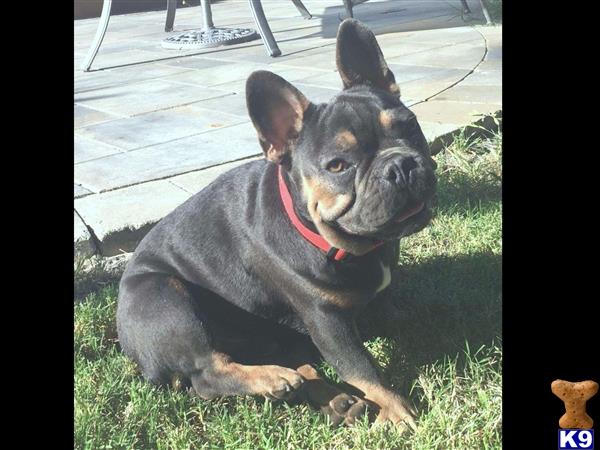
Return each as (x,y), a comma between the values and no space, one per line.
(337,165)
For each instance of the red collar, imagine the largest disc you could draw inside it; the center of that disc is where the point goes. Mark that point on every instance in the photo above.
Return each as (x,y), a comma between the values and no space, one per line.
(314,238)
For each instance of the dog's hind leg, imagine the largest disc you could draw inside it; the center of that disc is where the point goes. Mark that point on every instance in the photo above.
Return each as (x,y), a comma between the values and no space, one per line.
(159,328)
(162,329)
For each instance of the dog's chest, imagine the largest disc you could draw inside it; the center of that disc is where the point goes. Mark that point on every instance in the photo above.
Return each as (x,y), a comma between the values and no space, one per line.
(364,282)
(386,277)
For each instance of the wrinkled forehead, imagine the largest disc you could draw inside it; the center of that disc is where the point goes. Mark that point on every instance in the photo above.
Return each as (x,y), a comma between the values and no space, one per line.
(360,115)
(351,110)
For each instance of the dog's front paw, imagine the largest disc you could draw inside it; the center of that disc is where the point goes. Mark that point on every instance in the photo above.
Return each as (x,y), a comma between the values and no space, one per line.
(397,410)
(344,408)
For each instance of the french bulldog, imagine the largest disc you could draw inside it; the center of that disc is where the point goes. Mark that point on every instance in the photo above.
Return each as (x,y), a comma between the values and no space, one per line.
(254,279)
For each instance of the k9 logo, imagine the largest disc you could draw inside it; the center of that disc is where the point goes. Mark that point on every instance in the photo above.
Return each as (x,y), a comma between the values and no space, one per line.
(576,439)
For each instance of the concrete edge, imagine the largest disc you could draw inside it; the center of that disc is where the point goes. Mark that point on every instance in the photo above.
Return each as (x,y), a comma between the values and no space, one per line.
(482,127)
(92,273)
(84,243)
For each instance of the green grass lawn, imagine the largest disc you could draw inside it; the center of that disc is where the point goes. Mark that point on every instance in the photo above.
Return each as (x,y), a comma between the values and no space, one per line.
(446,351)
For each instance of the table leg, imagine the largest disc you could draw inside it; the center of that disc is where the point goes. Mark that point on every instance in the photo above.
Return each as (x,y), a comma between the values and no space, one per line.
(208,36)
(171,8)
(207,15)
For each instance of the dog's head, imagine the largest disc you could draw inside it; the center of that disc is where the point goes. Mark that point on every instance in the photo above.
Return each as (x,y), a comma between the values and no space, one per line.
(360,162)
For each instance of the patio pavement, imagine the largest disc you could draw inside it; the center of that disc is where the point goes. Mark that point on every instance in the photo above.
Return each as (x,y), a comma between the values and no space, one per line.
(154,126)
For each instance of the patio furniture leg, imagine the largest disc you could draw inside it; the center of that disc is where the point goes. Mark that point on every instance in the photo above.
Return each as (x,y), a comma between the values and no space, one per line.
(171,8)
(348,5)
(207,15)
(486,13)
(100,32)
(300,7)
(466,9)
(263,28)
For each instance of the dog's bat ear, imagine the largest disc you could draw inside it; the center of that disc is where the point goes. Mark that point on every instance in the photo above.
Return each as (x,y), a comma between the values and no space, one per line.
(276,109)
(360,60)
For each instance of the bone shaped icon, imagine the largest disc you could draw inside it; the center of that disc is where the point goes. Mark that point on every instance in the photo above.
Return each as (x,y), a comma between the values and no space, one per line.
(575,395)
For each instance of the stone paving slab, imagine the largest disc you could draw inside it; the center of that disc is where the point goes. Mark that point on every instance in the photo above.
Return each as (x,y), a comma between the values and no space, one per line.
(160,126)
(144,96)
(86,116)
(98,80)
(90,149)
(199,63)
(231,103)
(473,94)
(459,56)
(416,91)
(453,112)
(155,125)
(168,159)
(436,132)
(80,191)
(122,57)
(484,77)
(194,182)
(232,78)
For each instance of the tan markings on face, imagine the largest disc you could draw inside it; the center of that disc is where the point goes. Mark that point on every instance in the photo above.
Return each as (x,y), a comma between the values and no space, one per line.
(394,89)
(328,205)
(346,140)
(386,119)
(322,205)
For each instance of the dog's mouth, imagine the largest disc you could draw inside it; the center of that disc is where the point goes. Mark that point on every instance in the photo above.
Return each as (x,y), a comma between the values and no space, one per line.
(409,213)
(395,225)
(399,223)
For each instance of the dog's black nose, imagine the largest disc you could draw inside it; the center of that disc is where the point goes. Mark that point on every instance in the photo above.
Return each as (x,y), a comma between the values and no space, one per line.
(398,170)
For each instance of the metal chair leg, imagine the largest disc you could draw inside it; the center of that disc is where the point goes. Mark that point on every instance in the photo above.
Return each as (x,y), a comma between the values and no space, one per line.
(486,13)
(348,5)
(300,7)
(466,9)
(171,9)
(263,27)
(100,32)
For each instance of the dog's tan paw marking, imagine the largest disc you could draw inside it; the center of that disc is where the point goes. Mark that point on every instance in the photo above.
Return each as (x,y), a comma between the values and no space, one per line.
(344,408)
(275,382)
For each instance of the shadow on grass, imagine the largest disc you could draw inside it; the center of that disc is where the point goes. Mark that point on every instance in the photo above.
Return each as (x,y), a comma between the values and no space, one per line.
(442,307)
(447,302)
(464,192)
